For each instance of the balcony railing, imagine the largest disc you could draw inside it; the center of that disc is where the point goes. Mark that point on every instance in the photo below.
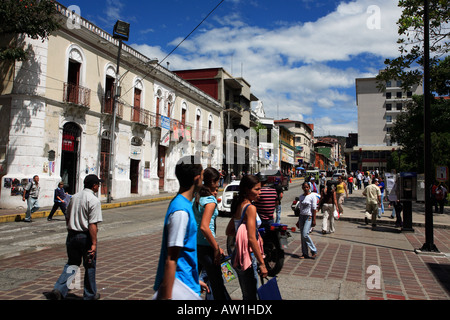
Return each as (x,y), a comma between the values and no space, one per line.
(77,94)
(140,115)
(108,107)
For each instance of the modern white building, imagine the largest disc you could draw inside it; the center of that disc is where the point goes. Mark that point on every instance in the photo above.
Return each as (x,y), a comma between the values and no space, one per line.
(377,112)
(57,116)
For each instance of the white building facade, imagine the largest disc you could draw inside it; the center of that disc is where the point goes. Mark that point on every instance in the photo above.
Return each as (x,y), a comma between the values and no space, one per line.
(57,116)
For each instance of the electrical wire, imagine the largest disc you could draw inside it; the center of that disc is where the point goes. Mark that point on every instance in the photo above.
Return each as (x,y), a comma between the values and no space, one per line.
(185,38)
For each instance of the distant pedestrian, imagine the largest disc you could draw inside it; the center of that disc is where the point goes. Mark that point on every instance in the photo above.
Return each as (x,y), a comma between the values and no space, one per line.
(323,181)
(209,252)
(83,214)
(307,220)
(359,177)
(328,203)
(373,201)
(313,185)
(279,189)
(382,188)
(440,195)
(58,201)
(341,192)
(221,178)
(31,194)
(366,179)
(350,184)
(177,274)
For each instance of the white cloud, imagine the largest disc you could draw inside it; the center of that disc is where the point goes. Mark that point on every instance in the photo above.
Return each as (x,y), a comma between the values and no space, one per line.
(295,69)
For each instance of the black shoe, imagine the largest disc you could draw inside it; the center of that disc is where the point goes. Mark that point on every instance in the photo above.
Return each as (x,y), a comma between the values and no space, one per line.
(366,220)
(54,295)
(374,227)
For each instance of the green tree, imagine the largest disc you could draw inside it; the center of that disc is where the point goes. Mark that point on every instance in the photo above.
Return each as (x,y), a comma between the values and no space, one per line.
(407,67)
(408,132)
(34,18)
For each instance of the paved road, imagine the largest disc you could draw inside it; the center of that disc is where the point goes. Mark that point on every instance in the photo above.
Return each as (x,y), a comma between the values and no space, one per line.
(33,255)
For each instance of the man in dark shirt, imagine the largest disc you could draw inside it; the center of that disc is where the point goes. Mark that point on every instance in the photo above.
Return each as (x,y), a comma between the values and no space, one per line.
(266,202)
(59,201)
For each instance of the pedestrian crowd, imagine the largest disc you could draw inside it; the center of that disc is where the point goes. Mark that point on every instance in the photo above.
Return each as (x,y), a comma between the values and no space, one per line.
(191,260)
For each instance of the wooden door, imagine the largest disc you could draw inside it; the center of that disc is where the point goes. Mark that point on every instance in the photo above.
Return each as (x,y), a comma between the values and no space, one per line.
(161,165)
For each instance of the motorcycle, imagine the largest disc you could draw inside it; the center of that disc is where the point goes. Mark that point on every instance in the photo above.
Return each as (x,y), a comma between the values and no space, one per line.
(274,242)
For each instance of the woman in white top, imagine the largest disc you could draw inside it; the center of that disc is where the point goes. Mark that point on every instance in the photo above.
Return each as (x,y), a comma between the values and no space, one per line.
(306,220)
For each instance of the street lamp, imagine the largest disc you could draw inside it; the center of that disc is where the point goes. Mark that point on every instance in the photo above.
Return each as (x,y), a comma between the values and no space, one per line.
(429,245)
(121,32)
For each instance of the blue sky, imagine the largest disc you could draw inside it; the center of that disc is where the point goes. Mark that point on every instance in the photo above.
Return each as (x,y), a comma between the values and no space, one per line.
(301,57)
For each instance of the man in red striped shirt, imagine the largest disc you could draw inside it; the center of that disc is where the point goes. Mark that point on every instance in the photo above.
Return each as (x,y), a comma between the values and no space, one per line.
(266,202)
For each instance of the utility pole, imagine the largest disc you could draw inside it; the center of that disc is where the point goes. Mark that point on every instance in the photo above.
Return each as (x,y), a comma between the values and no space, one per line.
(121,32)
(429,236)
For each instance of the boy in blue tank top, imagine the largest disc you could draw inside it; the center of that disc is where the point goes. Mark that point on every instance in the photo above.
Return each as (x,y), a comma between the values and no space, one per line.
(178,257)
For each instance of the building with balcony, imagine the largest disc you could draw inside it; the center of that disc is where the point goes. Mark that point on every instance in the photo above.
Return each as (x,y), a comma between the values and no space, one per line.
(235,96)
(58,110)
(377,112)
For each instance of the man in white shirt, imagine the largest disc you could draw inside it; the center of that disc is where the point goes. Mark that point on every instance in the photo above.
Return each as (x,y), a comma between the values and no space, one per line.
(373,200)
(83,213)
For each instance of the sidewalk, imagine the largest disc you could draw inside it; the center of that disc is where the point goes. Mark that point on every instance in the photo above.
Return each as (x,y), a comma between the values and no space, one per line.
(354,263)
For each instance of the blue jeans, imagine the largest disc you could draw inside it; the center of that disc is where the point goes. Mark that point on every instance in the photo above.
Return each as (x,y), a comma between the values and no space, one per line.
(32,206)
(78,244)
(278,213)
(304,223)
(249,281)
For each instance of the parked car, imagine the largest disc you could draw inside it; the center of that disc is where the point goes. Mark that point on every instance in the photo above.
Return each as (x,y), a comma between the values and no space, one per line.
(343,172)
(224,201)
(335,176)
(276,175)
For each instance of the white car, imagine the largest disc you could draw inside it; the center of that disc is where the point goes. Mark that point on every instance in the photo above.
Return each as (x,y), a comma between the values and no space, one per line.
(224,201)
(343,172)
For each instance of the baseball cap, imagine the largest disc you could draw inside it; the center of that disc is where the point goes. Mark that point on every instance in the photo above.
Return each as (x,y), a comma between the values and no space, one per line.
(91,179)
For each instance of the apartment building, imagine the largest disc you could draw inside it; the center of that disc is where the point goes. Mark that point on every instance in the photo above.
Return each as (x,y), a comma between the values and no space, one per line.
(57,117)
(377,112)
(304,141)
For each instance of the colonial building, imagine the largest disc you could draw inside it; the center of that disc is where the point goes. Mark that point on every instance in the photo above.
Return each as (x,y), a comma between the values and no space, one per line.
(57,117)
(235,96)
